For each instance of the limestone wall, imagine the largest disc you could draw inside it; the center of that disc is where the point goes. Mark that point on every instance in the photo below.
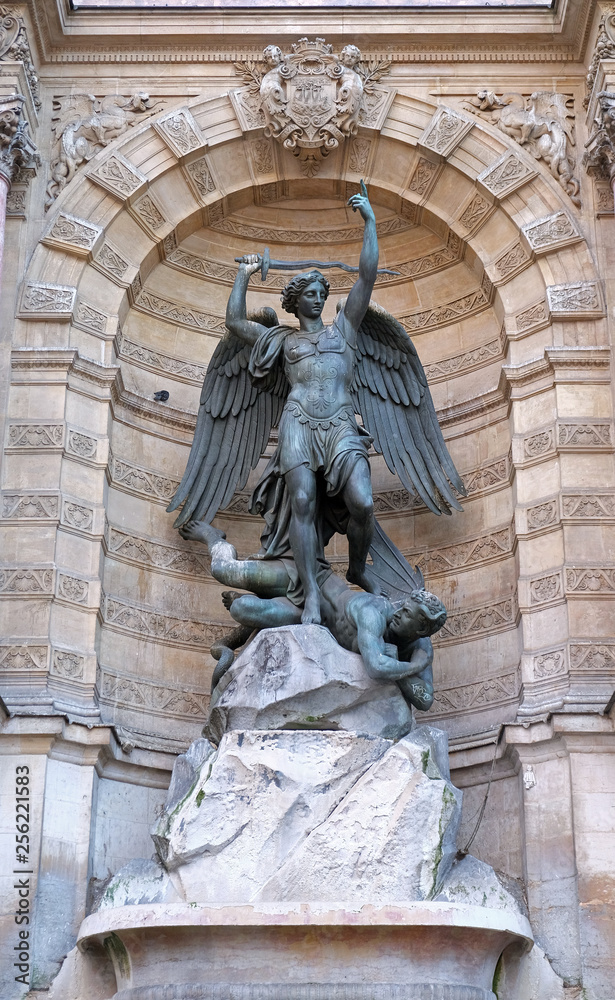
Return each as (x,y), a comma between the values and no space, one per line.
(114,286)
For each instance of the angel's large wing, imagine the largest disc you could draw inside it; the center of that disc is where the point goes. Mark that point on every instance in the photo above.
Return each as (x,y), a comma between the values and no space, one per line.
(232,429)
(391,394)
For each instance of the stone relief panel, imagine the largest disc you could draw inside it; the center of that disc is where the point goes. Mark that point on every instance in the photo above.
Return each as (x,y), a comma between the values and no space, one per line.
(148,214)
(284,235)
(141,482)
(72,589)
(533,318)
(24,656)
(490,693)
(77,516)
(476,212)
(30,506)
(19,582)
(575,300)
(588,506)
(542,122)
(88,318)
(468,361)
(73,235)
(149,624)
(464,555)
(550,664)
(65,663)
(584,435)
(462,626)
(217,270)
(26,436)
(160,364)
(180,132)
(445,131)
(545,589)
(428,319)
(157,699)
(111,263)
(541,516)
(118,176)
(83,124)
(424,176)
(509,264)
(81,445)
(551,233)
(141,551)
(42,301)
(589,656)
(590,580)
(506,175)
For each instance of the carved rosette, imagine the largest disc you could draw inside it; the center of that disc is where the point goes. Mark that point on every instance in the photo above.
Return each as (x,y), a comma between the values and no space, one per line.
(17,150)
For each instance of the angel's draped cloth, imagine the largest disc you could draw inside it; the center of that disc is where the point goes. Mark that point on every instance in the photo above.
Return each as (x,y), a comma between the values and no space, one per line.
(329,447)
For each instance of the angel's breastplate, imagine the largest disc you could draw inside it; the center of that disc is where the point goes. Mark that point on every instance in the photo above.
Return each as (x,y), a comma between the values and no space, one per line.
(320,370)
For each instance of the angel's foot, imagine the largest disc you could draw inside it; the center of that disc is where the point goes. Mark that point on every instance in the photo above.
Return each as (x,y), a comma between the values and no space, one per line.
(311,610)
(228,596)
(200,531)
(362,578)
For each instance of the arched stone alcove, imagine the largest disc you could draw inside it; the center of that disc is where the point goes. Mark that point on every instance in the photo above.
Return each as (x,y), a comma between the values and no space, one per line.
(125,294)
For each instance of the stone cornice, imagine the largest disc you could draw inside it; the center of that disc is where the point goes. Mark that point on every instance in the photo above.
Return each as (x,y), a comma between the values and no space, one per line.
(523,35)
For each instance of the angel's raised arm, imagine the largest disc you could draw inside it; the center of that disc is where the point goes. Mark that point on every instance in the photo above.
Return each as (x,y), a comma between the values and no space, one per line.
(360,293)
(236,315)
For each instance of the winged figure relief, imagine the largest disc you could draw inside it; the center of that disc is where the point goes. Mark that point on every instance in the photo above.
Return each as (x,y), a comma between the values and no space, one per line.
(312,382)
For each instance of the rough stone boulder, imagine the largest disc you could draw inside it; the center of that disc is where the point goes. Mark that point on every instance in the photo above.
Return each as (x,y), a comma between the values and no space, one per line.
(311,816)
(298,677)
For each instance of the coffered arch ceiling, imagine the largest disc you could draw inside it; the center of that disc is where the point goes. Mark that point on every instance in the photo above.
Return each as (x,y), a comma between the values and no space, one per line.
(135,269)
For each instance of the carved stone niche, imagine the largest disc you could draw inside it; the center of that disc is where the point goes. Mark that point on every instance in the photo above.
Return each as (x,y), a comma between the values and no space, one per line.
(311,100)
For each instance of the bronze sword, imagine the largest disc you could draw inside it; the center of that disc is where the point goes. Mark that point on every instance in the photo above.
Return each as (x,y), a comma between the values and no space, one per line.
(294,265)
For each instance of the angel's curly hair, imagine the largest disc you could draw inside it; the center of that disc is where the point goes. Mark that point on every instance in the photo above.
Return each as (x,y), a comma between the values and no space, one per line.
(291,293)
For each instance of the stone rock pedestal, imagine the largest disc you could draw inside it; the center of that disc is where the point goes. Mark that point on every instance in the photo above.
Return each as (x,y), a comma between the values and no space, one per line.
(420,951)
(298,864)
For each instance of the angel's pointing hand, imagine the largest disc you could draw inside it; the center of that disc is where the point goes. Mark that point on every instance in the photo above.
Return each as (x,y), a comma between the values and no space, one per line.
(361,202)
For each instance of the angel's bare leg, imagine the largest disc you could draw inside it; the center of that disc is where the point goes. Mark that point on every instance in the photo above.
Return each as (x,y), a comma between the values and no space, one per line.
(301,483)
(359,502)
(266,577)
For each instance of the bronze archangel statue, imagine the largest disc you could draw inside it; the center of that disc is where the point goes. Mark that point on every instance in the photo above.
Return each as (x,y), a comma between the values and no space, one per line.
(310,382)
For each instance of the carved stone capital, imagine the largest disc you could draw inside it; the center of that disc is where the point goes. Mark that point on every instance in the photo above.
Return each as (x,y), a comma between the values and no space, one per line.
(17,150)
(599,158)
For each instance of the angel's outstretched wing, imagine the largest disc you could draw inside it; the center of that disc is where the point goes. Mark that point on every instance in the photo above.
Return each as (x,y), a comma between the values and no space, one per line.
(232,430)
(391,394)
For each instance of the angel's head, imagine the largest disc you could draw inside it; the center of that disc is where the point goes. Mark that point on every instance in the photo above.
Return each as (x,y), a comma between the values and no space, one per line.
(419,616)
(273,56)
(350,56)
(301,290)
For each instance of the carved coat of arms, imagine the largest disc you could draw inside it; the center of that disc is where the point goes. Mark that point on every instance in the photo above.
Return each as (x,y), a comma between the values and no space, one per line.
(311,99)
